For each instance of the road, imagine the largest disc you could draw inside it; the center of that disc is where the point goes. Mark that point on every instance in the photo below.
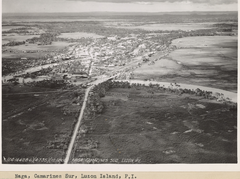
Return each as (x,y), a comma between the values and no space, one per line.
(38,68)
(231,95)
(70,147)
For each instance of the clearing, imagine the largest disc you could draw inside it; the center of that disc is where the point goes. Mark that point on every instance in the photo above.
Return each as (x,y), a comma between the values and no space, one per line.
(166,26)
(78,35)
(17,37)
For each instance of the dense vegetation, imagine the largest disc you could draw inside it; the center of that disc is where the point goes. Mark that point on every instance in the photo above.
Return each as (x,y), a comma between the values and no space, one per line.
(13,43)
(44,39)
(94,104)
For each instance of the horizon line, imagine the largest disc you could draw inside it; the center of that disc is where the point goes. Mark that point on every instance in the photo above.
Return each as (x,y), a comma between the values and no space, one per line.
(111,12)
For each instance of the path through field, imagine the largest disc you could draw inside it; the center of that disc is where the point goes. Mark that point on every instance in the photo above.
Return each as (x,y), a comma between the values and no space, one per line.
(70,147)
(69,151)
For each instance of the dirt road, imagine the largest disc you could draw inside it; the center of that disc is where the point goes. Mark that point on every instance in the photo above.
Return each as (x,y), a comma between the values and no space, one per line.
(70,147)
(69,151)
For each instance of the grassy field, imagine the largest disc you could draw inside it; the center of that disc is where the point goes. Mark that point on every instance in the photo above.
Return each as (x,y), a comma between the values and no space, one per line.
(206,41)
(78,35)
(204,61)
(17,56)
(52,47)
(140,125)
(37,125)
(168,26)
(44,50)
(5,41)
(9,27)
(17,37)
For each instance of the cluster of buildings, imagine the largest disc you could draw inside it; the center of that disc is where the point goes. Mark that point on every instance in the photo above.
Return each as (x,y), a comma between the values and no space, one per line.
(107,54)
(105,57)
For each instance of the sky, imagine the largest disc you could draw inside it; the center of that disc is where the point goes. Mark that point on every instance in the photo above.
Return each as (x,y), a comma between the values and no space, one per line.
(36,6)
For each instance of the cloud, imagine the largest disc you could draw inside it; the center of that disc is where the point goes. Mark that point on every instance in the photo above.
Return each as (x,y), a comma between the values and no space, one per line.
(146,2)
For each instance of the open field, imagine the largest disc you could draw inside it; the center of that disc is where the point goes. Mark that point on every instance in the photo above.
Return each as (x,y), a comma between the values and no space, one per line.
(52,47)
(78,35)
(43,50)
(206,41)
(17,37)
(4,42)
(37,125)
(148,126)
(204,61)
(16,56)
(168,26)
(9,27)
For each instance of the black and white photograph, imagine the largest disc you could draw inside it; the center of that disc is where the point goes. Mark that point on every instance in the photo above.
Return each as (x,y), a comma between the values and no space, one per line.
(119,82)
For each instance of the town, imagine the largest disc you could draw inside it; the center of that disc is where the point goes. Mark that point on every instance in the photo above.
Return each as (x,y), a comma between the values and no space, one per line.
(103,91)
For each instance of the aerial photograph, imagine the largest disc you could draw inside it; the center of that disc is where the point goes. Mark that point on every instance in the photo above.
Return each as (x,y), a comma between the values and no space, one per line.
(119,82)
